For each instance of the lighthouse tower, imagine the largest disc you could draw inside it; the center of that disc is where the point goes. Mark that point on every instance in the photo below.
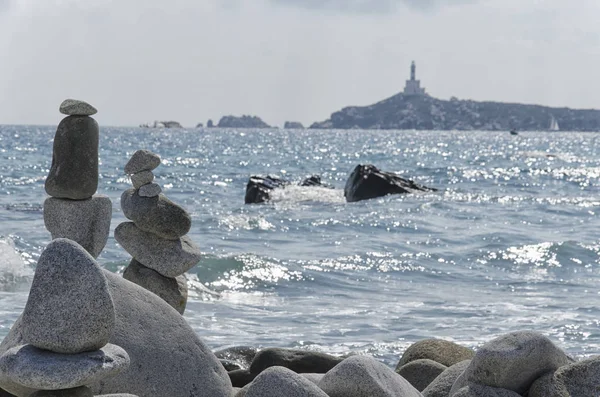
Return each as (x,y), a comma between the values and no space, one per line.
(413,86)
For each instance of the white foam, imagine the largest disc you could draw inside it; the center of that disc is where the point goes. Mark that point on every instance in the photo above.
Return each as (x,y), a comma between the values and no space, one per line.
(13,268)
(296,194)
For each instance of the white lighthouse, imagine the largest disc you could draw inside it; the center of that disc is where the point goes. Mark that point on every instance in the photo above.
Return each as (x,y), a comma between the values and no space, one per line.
(413,86)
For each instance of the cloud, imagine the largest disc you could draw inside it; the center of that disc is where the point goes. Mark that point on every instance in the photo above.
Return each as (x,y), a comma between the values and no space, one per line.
(369,6)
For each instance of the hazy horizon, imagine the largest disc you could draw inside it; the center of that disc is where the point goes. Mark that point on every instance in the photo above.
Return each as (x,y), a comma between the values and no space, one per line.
(288,60)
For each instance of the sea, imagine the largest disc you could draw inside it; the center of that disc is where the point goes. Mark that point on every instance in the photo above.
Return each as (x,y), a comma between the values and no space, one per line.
(509,242)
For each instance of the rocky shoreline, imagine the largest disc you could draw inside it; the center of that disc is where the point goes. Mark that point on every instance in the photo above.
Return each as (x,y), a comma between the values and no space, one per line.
(87,332)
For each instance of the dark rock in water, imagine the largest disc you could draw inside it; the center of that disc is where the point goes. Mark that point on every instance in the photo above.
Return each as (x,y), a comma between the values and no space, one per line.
(199,125)
(367,182)
(297,360)
(237,357)
(74,171)
(210,124)
(293,125)
(258,188)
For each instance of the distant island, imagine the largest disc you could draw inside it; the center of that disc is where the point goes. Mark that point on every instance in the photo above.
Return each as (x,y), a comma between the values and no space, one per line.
(293,125)
(242,122)
(162,124)
(414,109)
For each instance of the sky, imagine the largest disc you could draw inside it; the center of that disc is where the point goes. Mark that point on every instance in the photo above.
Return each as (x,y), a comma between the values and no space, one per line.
(299,60)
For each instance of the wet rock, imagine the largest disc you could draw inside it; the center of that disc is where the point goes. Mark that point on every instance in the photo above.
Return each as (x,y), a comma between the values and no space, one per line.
(157,215)
(167,357)
(441,386)
(367,182)
(241,356)
(174,291)
(35,368)
(259,188)
(363,376)
(279,381)
(170,258)
(420,373)
(513,362)
(580,379)
(142,160)
(149,190)
(296,360)
(86,222)
(74,171)
(74,107)
(142,178)
(439,350)
(69,309)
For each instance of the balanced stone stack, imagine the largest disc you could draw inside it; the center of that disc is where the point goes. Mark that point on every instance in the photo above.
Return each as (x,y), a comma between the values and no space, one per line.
(73,211)
(156,237)
(67,322)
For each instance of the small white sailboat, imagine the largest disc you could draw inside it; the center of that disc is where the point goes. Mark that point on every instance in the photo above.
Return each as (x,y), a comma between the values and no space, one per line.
(553,124)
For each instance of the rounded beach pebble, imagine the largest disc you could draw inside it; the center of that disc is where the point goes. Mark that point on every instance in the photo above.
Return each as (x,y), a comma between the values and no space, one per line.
(363,376)
(142,178)
(513,362)
(149,190)
(35,368)
(441,386)
(74,107)
(142,160)
(439,350)
(280,381)
(420,373)
(69,309)
(170,258)
(578,379)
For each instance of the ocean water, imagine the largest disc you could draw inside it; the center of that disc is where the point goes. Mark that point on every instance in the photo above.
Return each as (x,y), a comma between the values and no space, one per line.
(510,241)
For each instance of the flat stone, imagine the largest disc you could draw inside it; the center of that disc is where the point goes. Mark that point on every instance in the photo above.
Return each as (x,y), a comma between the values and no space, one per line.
(297,360)
(167,357)
(149,190)
(69,309)
(439,350)
(578,379)
(86,222)
(174,291)
(142,178)
(513,362)
(157,215)
(170,258)
(279,381)
(74,171)
(35,368)
(420,373)
(475,390)
(363,376)
(74,107)
(75,392)
(142,160)
(441,386)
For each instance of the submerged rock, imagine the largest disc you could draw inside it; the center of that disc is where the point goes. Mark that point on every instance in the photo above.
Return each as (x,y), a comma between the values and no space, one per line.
(367,182)
(259,188)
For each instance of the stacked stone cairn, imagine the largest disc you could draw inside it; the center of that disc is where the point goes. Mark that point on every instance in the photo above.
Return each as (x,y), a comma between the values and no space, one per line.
(74,211)
(67,322)
(156,237)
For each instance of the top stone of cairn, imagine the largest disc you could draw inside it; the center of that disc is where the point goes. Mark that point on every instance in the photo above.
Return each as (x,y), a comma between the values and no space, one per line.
(142,160)
(73,107)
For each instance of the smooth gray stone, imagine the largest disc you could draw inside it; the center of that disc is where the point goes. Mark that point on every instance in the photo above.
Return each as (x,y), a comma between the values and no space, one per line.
(314,378)
(142,160)
(174,291)
(475,390)
(170,258)
(86,222)
(167,357)
(241,356)
(74,107)
(280,381)
(35,368)
(441,386)
(420,373)
(75,392)
(439,350)
(142,178)
(149,190)
(580,379)
(69,309)
(157,215)
(363,376)
(296,360)
(74,171)
(513,362)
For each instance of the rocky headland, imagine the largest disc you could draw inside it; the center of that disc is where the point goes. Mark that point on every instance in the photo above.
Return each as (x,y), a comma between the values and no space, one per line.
(423,112)
(293,125)
(244,121)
